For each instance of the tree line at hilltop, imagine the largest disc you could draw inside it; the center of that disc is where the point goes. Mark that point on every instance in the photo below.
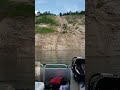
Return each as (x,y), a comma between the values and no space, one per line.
(61,14)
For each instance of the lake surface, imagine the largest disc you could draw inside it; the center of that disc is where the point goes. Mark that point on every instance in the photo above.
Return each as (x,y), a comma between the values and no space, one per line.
(58,57)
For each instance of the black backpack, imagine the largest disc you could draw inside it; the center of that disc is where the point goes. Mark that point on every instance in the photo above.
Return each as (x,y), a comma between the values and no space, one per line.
(78,64)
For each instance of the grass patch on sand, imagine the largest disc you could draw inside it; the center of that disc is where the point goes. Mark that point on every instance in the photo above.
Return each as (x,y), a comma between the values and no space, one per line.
(43,30)
(46,19)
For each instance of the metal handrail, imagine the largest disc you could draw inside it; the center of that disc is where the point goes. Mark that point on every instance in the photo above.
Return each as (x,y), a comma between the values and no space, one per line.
(55,64)
(41,65)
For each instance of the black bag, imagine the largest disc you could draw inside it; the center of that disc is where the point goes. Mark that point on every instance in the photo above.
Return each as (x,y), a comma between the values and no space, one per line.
(78,65)
(104,81)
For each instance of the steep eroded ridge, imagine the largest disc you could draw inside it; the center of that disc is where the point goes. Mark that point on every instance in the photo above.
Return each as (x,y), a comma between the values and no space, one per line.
(67,33)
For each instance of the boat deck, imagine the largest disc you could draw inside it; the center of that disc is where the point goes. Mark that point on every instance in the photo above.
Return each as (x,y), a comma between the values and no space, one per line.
(73,84)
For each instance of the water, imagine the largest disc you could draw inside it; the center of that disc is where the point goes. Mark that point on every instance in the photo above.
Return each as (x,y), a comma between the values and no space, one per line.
(57,57)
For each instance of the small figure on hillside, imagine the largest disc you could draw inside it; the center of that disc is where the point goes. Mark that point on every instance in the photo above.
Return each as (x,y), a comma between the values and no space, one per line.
(60,14)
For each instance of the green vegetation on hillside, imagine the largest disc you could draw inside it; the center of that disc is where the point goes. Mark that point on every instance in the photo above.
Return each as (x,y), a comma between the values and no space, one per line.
(73,13)
(41,30)
(64,24)
(45,20)
(45,13)
(61,14)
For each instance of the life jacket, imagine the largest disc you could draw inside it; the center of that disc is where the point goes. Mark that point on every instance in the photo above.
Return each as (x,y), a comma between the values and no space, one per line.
(56,80)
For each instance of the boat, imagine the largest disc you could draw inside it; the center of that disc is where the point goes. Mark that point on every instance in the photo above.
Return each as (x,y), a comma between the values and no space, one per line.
(49,72)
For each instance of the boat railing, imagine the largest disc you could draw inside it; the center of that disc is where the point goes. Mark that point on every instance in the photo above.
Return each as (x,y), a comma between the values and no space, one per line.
(41,65)
(53,66)
(41,72)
